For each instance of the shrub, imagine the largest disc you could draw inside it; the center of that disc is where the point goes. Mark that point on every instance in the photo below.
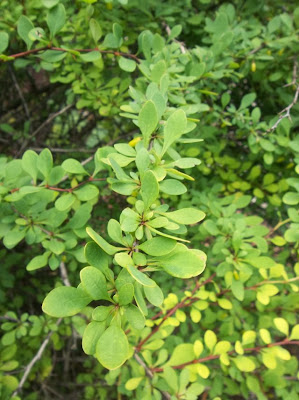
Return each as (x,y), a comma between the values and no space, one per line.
(171,251)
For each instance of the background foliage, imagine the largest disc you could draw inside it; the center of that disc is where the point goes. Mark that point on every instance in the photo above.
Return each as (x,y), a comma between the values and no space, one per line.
(231,69)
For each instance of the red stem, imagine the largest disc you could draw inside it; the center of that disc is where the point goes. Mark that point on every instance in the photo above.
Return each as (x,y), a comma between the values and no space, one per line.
(214,357)
(34,51)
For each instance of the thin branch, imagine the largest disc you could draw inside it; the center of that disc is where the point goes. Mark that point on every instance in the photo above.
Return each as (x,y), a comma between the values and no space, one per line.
(34,360)
(286,112)
(51,117)
(149,374)
(63,274)
(182,44)
(20,93)
(216,356)
(38,50)
(58,150)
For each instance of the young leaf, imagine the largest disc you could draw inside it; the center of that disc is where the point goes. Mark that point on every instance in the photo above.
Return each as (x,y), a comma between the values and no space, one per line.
(112,349)
(147,121)
(56,19)
(65,301)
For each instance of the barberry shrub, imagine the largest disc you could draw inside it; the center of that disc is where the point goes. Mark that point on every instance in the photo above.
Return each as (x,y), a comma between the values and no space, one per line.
(170,253)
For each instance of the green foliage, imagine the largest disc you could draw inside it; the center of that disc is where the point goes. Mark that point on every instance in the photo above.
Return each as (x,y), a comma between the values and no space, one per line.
(172,250)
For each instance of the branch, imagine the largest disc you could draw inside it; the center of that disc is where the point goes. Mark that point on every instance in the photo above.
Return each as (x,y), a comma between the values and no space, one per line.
(34,360)
(38,50)
(216,356)
(51,117)
(285,113)
(63,274)
(149,374)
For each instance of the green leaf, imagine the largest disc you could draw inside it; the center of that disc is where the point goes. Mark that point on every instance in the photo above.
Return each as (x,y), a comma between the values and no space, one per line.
(244,364)
(112,348)
(12,238)
(238,289)
(95,29)
(149,189)
(210,339)
(172,187)
(38,262)
(185,216)
(135,317)
(291,198)
(170,377)
(295,333)
(247,100)
(126,64)
(182,353)
(65,301)
(125,294)
(94,283)
(50,3)
(24,27)
(56,19)
(140,276)
(203,371)
(174,128)
(175,31)
(154,295)
(56,246)
(114,231)
(148,120)
(282,325)
(29,163)
(87,192)
(133,383)
(108,248)
(91,56)
(65,201)
(91,335)
(73,166)
(184,263)
(4,40)
(265,335)
(95,256)
(45,162)
(225,304)
(101,313)
(158,246)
